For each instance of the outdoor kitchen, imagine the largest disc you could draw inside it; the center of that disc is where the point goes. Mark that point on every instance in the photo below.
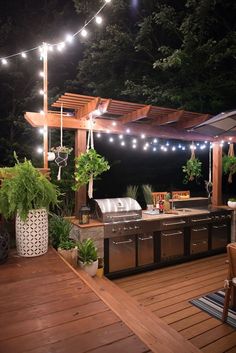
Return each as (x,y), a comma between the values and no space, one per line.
(133,240)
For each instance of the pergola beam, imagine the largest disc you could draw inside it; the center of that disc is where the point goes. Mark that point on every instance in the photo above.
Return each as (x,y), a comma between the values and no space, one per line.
(191,122)
(135,115)
(88,108)
(102,125)
(170,118)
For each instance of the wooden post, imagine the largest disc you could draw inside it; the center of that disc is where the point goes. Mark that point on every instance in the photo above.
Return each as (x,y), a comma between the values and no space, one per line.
(45,105)
(217,175)
(80,147)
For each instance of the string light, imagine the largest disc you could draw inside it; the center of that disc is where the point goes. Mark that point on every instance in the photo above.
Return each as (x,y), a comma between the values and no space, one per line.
(122,143)
(111,139)
(98,20)
(143,136)
(114,123)
(98,135)
(41,112)
(69,38)
(24,55)
(41,92)
(155,140)
(40,150)
(120,137)
(41,74)
(4,61)
(84,33)
(128,131)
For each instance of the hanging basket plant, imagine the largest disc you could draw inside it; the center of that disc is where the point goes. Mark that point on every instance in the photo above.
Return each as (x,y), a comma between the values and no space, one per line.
(61,153)
(229,166)
(89,165)
(192,169)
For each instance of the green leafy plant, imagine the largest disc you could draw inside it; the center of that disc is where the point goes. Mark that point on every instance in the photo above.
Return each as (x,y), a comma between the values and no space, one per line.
(89,164)
(87,251)
(192,170)
(147,193)
(229,166)
(67,244)
(62,149)
(59,230)
(132,191)
(25,189)
(232,199)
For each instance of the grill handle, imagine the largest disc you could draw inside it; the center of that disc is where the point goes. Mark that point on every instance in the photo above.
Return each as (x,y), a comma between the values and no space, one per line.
(221,226)
(122,242)
(170,234)
(201,219)
(199,229)
(203,242)
(173,223)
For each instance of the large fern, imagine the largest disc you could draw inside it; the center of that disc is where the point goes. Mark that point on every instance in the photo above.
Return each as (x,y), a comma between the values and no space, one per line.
(25,189)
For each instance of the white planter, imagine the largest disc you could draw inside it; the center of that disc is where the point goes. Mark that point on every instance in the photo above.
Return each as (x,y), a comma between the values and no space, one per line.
(91,269)
(232,204)
(32,234)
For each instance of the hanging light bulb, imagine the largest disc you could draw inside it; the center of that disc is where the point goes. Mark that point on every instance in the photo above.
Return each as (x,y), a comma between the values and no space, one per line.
(41,74)
(122,143)
(114,123)
(41,112)
(134,146)
(4,61)
(107,1)
(60,46)
(154,149)
(98,135)
(155,140)
(120,137)
(111,139)
(173,148)
(84,33)
(98,20)
(40,150)
(41,130)
(23,54)
(143,136)
(41,92)
(69,38)
(134,141)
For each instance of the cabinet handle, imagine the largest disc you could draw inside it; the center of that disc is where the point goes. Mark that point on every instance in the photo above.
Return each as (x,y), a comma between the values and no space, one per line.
(145,238)
(173,223)
(122,242)
(202,242)
(169,234)
(198,229)
(201,219)
(222,226)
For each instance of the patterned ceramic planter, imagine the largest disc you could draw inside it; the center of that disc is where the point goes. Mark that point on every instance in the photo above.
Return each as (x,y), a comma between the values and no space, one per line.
(4,245)
(32,234)
(91,269)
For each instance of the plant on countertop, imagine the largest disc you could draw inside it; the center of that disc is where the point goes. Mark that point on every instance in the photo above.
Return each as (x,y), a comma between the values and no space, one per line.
(232,199)
(132,191)
(87,165)
(147,193)
(87,251)
(27,189)
(67,244)
(59,231)
(192,169)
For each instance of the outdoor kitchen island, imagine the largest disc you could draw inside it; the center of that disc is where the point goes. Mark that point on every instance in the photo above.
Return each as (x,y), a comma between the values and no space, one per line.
(156,240)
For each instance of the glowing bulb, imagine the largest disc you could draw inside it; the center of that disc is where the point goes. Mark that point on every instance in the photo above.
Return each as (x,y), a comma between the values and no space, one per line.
(154,149)
(165,149)
(114,123)
(69,38)
(98,135)
(128,131)
(142,136)
(41,131)
(122,143)
(134,140)
(173,148)
(230,138)
(145,148)
(155,141)
(107,131)
(111,139)
(41,92)
(120,137)
(107,1)
(60,46)
(147,144)
(84,33)
(167,143)
(40,150)
(179,146)
(23,55)
(98,20)
(41,112)
(50,48)
(97,112)
(4,61)
(41,74)
(183,148)
(134,146)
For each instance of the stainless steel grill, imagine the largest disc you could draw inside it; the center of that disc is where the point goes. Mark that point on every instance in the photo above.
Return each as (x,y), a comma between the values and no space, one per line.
(118,210)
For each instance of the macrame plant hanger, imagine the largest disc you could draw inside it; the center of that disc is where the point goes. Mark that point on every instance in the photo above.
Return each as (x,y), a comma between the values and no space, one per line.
(90,145)
(61,159)
(208,184)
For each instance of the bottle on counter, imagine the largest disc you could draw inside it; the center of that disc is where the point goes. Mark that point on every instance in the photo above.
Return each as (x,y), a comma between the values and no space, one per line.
(161,205)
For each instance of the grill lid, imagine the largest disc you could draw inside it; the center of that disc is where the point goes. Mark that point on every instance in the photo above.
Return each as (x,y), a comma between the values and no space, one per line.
(118,209)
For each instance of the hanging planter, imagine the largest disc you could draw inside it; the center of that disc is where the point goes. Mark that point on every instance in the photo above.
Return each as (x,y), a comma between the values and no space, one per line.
(229,163)
(61,153)
(192,169)
(89,166)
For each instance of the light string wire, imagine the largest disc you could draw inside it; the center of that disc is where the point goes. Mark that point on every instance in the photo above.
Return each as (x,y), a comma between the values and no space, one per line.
(58,43)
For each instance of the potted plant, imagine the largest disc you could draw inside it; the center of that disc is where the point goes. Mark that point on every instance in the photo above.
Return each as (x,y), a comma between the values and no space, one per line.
(61,155)
(132,191)
(88,256)
(88,166)
(229,166)
(147,193)
(69,251)
(192,169)
(232,202)
(28,194)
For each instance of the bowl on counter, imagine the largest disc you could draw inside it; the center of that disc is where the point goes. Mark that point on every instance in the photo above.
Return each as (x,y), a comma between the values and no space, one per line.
(232,204)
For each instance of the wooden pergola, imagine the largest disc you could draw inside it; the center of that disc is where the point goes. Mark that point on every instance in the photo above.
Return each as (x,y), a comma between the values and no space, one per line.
(121,117)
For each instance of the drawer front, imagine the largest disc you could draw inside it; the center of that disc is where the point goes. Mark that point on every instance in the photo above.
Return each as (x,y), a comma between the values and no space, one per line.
(122,253)
(219,236)
(199,239)
(145,249)
(172,244)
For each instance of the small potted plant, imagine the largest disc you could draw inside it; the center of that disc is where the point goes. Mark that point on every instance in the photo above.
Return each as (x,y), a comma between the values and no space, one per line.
(232,202)
(59,231)
(61,155)
(28,194)
(147,193)
(88,256)
(132,191)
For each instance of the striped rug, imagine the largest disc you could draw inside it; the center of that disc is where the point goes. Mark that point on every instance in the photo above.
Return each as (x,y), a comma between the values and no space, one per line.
(213,304)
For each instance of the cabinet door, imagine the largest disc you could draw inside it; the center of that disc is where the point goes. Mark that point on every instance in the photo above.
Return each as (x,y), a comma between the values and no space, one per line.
(199,240)
(219,236)
(172,244)
(145,249)
(122,253)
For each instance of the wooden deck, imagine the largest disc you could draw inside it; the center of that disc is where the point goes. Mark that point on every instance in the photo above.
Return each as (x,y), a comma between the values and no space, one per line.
(45,307)
(166,293)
